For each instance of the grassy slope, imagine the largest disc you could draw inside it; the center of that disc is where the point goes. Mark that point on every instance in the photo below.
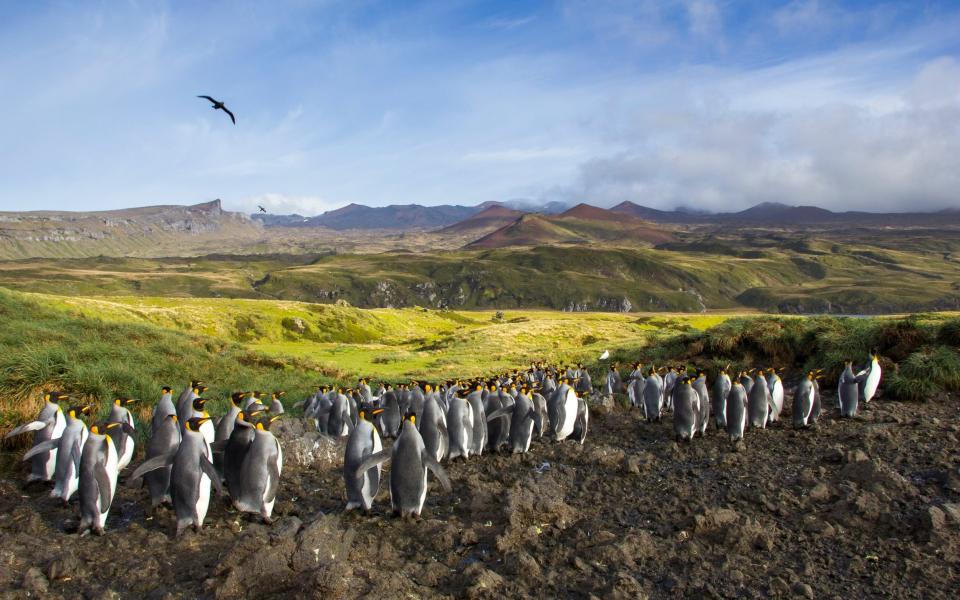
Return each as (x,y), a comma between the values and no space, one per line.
(853,272)
(389,343)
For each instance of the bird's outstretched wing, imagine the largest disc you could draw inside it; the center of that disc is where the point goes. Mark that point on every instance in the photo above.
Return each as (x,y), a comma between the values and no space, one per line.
(208,98)
(226,110)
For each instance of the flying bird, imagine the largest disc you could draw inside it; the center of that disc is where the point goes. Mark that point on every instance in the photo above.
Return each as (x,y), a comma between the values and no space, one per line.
(219,105)
(262,209)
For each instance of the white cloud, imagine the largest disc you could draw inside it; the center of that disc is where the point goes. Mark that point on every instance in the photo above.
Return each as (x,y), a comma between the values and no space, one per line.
(281,204)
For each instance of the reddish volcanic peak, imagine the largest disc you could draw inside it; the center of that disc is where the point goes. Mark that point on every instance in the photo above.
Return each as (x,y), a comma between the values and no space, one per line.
(593,213)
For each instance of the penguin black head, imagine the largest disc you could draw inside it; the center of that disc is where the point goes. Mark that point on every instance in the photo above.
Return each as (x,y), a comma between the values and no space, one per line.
(198,403)
(195,423)
(412,417)
(78,411)
(264,423)
(125,401)
(166,390)
(369,410)
(55,397)
(237,397)
(257,394)
(279,394)
(103,428)
(252,410)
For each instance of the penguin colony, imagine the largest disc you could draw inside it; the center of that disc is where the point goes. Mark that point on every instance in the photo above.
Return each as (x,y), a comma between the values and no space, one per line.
(189,453)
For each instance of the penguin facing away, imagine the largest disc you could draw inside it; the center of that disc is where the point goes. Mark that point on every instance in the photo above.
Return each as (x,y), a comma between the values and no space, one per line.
(49,425)
(362,487)
(758,403)
(478,440)
(260,472)
(803,401)
(523,417)
(433,428)
(98,477)
(164,407)
(721,389)
(848,392)
(460,426)
(235,449)
(686,410)
(408,473)
(736,415)
(165,440)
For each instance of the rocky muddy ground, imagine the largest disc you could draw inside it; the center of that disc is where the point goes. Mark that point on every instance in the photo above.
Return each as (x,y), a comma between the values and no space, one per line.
(856,508)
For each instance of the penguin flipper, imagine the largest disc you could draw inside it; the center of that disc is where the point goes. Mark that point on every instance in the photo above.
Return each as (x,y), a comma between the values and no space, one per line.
(103,482)
(439,472)
(537,419)
(157,462)
(42,447)
(372,461)
(504,411)
(26,428)
(207,467)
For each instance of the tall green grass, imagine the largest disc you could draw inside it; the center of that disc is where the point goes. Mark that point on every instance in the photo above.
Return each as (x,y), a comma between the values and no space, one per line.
(43,348)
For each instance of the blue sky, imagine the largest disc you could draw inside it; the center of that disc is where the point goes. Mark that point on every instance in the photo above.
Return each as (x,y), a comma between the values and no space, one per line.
(710,104)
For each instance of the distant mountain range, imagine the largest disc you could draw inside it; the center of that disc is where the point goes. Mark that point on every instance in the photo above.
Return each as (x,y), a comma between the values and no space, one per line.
(775,213)
(394,216)
(449,218)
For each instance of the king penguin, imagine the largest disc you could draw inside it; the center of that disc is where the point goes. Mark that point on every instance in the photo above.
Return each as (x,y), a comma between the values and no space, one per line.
(686,410)
(225,427)
(260,472)
(523,416)
(122,440)
(721,389)
(276,405)
(235,450)
(758,405)
(364,441)
(98,476)
(869,379)
(408,472)
(803,401)
(163,408)
(848,392)
(433,428)
(66,475)
(478,440)
(736,415)
(703,416)
(563,408)
(652,397)
(49,425)
(191,476)
(185,401)
(165,440)
(775,386)
(460,425)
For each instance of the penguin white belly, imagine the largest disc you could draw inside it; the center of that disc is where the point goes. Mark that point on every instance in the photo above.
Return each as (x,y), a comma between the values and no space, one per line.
(209,433)
(423,493)
(203,502)
(112,468)
(872,383)
(810,405)
(569,415)
(127,456)
(268,506)
(59,424)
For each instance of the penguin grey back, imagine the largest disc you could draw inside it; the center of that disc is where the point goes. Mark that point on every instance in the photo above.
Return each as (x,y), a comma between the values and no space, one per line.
(736,411)
(759,403)
(686,411)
